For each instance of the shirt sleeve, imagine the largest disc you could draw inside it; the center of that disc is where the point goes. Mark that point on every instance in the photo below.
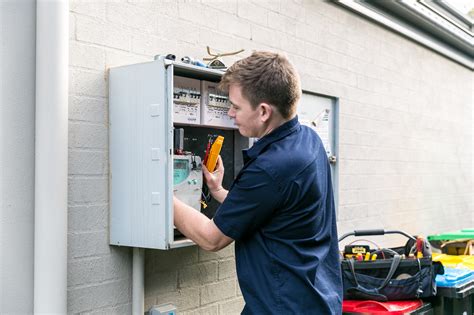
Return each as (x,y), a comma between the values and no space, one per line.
(250,203)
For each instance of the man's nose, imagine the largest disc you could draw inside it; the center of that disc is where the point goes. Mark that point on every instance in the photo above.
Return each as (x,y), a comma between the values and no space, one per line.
(231,113)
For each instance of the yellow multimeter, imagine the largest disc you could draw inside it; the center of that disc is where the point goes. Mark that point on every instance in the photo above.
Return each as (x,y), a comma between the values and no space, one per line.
(214,153)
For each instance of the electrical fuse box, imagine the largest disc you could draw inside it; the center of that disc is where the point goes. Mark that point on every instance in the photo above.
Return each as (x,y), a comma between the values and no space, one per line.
(187,100)
(215,106)
(158,138)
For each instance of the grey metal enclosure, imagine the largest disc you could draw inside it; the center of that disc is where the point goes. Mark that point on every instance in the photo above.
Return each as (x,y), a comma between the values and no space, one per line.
(148,101)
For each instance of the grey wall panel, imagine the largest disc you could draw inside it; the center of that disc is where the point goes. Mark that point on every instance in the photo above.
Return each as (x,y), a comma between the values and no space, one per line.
(17,123)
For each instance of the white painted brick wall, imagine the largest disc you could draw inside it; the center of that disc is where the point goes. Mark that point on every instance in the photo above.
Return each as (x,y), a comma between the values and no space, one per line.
(87,83)
(83,218)
(232,307)
(88,109)
(252,12)
(208,310)
(187,299)
(100,32)
(218,291)
(226,269)
(86,56)
(197,274)
(405,132)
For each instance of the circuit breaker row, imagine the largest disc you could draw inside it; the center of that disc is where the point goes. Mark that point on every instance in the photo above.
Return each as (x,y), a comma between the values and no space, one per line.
(198,102)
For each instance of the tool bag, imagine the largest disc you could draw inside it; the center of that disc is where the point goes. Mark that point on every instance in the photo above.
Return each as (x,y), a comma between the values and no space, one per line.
(391,277)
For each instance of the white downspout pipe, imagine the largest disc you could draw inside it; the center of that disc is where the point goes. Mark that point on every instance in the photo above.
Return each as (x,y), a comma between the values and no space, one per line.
(51,152)
(138,281)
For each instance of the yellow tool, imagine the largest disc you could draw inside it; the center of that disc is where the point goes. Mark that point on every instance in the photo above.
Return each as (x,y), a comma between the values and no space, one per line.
(367,256)
(374,257)
(214,153)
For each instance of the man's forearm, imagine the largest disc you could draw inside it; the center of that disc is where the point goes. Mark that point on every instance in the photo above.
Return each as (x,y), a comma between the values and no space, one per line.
(197,227)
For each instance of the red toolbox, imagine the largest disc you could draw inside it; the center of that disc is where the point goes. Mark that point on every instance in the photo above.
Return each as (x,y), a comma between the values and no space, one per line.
(369,307)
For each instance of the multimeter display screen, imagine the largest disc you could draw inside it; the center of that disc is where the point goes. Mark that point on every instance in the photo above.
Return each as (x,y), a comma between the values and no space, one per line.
(181,171)
(181,164)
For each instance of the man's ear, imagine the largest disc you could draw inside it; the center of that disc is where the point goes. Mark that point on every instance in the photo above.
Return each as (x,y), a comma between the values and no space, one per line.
(266,111)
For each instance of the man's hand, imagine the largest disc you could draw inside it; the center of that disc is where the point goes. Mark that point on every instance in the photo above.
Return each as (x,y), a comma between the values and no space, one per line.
(214,180)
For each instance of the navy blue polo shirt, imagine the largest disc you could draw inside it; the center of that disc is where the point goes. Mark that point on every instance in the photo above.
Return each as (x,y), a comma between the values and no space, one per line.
(280,212)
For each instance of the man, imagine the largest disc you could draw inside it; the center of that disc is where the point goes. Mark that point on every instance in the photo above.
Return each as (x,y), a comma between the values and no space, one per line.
(280,208)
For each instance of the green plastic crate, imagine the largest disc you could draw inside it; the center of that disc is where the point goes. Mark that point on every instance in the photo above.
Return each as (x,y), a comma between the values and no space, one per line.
(451,236)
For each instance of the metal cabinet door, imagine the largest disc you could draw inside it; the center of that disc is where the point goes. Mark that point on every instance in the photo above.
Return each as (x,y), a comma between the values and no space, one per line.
(140,156)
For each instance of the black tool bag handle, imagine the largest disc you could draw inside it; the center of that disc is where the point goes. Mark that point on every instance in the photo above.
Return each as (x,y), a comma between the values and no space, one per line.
(393,267)
(372,293)
(375,232)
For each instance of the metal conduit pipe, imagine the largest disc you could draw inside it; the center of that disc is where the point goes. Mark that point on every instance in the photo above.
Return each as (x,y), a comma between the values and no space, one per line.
(51,145)
(138,281)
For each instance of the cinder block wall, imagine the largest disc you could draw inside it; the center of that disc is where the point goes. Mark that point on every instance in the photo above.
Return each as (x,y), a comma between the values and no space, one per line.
(405,132)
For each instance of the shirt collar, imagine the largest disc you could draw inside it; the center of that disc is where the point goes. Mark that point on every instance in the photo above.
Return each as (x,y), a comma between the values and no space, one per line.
(282,131)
